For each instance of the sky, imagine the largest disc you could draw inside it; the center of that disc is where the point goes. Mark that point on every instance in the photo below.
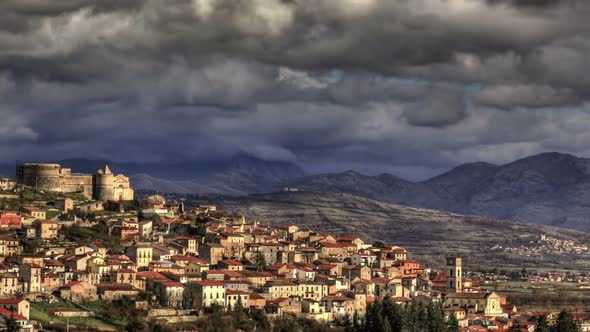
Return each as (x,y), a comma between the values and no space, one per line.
(411,87)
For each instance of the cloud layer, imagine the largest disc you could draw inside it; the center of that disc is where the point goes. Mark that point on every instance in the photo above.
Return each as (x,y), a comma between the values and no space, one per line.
(377,85)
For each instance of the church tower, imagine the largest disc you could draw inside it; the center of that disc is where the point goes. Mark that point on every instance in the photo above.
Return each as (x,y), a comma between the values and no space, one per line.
(455,277)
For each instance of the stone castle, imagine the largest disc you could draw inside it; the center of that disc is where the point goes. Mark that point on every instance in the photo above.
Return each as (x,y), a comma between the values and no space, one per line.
(103,185)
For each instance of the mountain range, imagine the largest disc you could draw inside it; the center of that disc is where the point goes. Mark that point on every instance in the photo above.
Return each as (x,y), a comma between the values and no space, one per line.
(548,188)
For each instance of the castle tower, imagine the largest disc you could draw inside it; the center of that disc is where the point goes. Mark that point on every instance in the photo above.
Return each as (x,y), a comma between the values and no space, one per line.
(455,277)
(103,184)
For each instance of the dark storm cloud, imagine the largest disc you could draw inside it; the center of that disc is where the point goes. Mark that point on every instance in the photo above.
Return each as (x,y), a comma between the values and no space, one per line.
(442,106)
(393,84)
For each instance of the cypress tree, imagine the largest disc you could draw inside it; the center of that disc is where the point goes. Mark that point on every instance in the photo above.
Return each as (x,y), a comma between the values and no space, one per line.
(542,324)
(565,322)
(452,324)
(436,318)
(393,314)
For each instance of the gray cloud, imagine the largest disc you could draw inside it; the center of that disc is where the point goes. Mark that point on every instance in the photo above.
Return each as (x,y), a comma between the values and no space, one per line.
(392,85)
(530,96)
(442,106)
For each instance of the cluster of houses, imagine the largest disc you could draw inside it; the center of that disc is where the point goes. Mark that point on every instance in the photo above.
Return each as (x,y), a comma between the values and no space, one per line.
(204,259)
(544,245)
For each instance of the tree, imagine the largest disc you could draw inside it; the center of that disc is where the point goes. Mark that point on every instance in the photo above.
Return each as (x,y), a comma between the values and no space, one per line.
(410,318)
(436,318)
(542,324)
(260,320)
(566,323)
(11,324)
(135,326)
(452,324)
(258,261)
(514,328)
(393,314)
(356,322)
(374,319)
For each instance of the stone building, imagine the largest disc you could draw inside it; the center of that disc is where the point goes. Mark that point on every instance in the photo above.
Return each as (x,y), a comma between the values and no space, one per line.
(141,255)
(488,304)
(103,185)
(110,187)
(6,183)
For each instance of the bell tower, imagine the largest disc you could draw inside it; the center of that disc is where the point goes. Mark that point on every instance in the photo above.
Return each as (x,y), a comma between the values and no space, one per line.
(455,276)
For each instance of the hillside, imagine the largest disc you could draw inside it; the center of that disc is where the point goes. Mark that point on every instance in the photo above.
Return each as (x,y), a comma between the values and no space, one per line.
(547,189)
(425,233)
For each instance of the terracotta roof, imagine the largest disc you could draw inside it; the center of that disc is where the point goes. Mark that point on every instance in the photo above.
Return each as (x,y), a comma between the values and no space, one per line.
(124,271)
(339,298)
(70,284)
(150,274)
(33,209)
(11,301)
(11,314)
(256,296)
(210,283)
(232,262)
(172,284)
(115,286)
(326,267)
(401,299)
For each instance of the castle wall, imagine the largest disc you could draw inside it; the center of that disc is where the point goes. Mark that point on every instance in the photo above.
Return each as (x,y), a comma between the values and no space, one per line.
(103,186)
(77,183)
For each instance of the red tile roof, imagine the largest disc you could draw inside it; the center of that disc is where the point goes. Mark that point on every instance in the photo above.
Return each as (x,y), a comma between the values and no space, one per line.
(70,284)
(207,283)
(11,314)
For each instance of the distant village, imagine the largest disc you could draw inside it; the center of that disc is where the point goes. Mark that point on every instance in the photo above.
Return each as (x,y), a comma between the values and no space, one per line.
(544,245)
(69,241)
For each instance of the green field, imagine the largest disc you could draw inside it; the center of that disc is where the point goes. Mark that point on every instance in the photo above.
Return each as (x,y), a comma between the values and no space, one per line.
(548,296)
(41,311)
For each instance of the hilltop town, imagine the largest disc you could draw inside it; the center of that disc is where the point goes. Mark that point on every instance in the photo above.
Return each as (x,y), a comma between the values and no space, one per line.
(75,246)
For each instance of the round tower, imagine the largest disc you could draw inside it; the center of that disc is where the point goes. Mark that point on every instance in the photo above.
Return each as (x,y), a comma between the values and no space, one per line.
(103,184)
(39,176)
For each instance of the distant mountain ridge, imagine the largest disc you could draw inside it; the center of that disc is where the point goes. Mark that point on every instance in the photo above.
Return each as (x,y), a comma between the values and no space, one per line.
(244,174)
(548,189)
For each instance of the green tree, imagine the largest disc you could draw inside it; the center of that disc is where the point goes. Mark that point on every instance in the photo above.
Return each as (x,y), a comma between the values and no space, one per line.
(260,320)
(542,324)
(566,323)
(421,318)
(374,321)
(393,314)
(452,324)
(135,326)
(410,318)
(436,318)
(11,324)
(356,322)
